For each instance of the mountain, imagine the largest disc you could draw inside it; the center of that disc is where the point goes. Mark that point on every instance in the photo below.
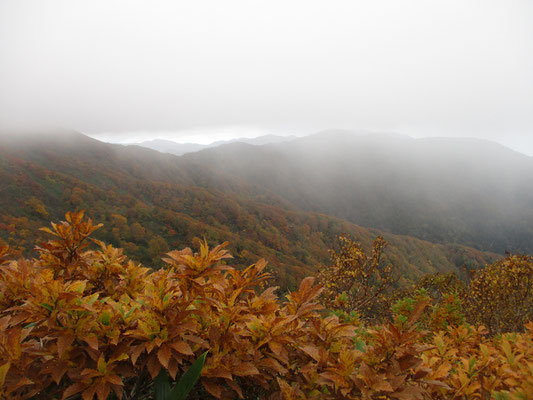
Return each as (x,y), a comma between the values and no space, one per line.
(445,190)
(150,202)
(169,146)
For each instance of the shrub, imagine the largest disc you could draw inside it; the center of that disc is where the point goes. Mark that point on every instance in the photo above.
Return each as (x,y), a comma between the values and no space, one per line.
(500,296)
(356,281)
(77,323)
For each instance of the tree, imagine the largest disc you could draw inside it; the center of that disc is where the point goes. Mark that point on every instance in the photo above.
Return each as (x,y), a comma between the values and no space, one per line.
(356,281)
(37,207)
(500,296)
(137,231)
(157,246)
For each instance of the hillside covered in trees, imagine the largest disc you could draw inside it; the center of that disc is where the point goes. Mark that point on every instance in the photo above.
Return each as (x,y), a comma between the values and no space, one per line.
(150,202)
(445,190)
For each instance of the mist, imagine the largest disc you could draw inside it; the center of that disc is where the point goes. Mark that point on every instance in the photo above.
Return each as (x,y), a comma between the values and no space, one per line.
(207,70)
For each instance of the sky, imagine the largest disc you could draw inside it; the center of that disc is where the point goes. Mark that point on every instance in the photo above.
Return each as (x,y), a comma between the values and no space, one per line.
(205,70)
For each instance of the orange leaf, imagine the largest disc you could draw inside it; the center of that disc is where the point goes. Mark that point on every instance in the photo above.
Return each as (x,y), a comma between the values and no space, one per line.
(213,388)
(88,393)
(219,372)
(63,343)
(136,352)
(182,347)
(92,341)
(311,351)
(163,355)
(382,386)
(3,372)
(73,389)
(153,367)
(102,390)
(245,369)
(114,379)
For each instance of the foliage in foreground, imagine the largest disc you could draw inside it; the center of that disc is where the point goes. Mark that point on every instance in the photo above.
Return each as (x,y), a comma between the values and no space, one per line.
(80,323)
(499,296)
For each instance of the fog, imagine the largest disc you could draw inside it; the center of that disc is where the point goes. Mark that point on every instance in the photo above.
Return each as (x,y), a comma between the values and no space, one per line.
(201,71)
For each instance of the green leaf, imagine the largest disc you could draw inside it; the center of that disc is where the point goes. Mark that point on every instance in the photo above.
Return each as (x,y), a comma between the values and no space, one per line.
(187,381)
(47,306)
(162,385)
(359,345)
(91,299)
(127,315)
(105,318)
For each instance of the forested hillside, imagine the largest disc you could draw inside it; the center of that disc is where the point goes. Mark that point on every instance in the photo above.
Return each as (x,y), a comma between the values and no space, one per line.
(467,191)
(150,202)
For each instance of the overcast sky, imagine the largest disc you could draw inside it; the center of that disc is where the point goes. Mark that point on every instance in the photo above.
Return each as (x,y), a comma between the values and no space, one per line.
(203,70)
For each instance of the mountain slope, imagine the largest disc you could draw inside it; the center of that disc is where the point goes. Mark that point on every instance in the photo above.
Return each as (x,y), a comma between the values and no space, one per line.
(147,199)
(444,190)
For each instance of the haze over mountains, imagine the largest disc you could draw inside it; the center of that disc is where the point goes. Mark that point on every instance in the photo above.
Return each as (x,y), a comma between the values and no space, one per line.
(150,202)
(446,190)
(172,147)
(464,191)
(468,191)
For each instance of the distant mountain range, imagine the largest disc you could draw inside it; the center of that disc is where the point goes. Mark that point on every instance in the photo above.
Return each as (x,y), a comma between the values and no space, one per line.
(150,202)
(446,190)
(169,146)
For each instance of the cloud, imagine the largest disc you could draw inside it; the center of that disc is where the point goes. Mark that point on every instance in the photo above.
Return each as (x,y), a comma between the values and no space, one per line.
(417,67)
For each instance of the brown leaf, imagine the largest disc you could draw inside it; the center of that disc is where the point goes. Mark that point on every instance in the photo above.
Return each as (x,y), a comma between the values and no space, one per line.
(381,386)
(92,341)
(417,312)
(333,377)
(136,352)
(63,343)
(245,369)
(73,389)
(409,393)
(182,347)
(219,372)
(213,388)
(88,393)
(114,379)
(163,355)
(311,351)
(153,367)
(102,390)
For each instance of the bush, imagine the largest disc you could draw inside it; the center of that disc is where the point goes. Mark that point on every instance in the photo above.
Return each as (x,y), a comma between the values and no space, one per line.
(358,282)
(500,296)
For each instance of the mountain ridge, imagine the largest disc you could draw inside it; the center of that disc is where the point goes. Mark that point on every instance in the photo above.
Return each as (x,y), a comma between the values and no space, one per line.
(465,188)
(176,148)
(134,190)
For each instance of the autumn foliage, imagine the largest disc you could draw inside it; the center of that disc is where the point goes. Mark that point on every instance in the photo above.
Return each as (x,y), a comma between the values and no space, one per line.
(83,322)
(356,281)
